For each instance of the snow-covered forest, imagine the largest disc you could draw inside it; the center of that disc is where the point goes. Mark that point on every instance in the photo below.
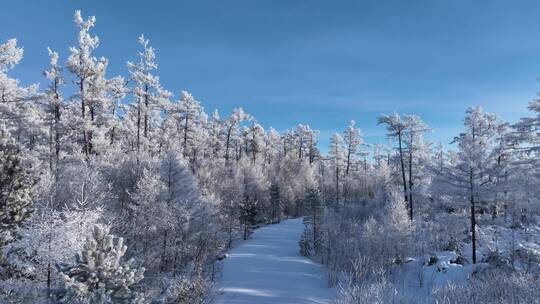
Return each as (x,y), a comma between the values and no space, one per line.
(115,189)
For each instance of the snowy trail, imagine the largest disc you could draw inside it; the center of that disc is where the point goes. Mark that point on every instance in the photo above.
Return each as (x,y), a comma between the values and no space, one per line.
(268,269)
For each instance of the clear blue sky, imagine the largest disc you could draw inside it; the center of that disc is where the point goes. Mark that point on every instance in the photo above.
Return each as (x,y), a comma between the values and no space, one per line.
(316,62)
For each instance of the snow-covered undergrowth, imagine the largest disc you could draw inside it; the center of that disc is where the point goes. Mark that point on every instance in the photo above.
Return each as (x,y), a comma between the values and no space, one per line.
(398,263)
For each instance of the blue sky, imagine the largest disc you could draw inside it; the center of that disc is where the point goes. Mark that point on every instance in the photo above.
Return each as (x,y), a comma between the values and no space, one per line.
(315,62)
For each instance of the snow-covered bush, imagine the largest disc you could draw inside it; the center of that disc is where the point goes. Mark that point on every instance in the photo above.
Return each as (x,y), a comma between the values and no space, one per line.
(491,286)
(376,291)
(188,290)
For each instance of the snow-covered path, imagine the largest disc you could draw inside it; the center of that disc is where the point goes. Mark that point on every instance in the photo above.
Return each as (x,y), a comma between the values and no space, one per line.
(268,269)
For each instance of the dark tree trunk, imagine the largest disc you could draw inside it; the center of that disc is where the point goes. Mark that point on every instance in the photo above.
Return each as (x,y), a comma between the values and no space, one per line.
(146,104)
(337,186)
(348,160)
(138,127)
(228,142)
(473,216)
(411,178)
(402,168)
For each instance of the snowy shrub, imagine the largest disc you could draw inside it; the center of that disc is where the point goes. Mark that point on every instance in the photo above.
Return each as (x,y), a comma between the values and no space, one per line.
(188,290)
(491,286)
(48,239)
(377,291)
(17,290)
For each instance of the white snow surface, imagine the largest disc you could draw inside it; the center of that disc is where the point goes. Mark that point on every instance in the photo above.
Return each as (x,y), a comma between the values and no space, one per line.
(268,268)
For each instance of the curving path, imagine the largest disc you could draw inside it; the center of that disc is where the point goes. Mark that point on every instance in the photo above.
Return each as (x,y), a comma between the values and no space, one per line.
(268,269)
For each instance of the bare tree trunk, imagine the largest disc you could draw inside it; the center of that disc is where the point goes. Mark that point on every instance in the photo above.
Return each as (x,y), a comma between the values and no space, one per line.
(228,142)
(51,147)
(146,111)
(300,148)
(186,134)
(230,232)
(348,159)
(402,167)
(337,186)
(473,216)
(49,270)
(57,132)
(311,150)
(83,114)
(245,229)
(410,177)
(163,251)
(138,127)
(175,261)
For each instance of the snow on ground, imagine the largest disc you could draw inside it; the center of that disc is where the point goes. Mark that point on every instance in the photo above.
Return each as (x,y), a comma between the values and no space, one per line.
(418,277)
(268,269)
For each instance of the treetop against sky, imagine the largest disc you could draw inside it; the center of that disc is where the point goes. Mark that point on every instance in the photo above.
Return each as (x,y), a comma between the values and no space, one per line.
(313,62)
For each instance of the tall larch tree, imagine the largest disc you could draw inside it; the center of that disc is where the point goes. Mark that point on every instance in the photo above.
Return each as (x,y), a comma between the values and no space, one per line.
(55,104)
(414,143)
(148,95)
(395,130)
(337,160)
(353,140)
(471,172)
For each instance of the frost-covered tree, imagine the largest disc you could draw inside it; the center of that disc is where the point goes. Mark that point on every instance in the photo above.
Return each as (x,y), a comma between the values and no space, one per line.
(54,108)
(352,138)
(50,237)
(16,111)
(314,211)
(95,93)
(272,148)
(275,203)
(83,65)
(231,124)
(15,189)
(415,146)
(150,98)
(256,140)
(215,136)
(99,274)
(395,128)
(337,161)
(305,141)
(471,173)
(189,112)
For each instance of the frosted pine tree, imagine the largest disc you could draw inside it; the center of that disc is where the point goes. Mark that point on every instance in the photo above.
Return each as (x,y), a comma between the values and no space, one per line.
(275,203)
(248,214)
(99,275)
(313,220)
(15,189)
